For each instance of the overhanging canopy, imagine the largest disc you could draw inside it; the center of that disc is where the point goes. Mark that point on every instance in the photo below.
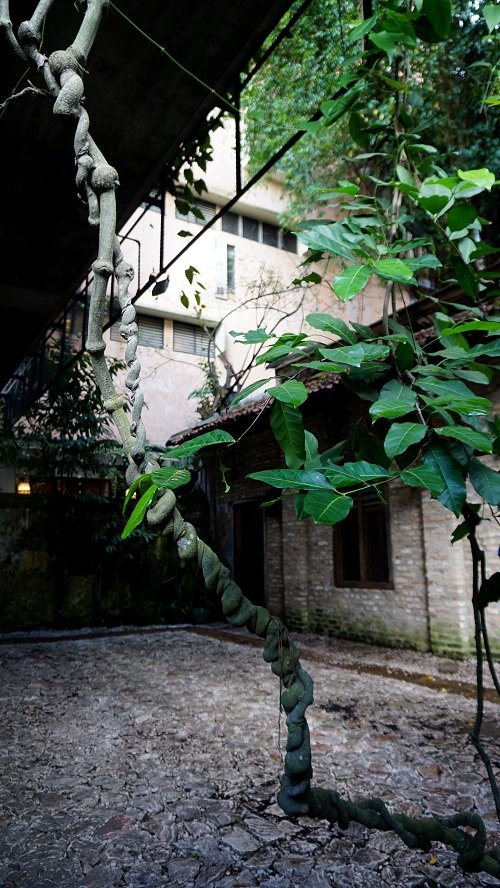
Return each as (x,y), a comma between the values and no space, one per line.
(142,106)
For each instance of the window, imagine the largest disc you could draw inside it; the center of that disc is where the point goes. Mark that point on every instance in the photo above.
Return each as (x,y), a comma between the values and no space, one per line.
(231,223)
(289,242)
(361,544)
(150,331)
(191,339)
(251,228)
(230,268)
(261,232)
(270,234)
(206,212)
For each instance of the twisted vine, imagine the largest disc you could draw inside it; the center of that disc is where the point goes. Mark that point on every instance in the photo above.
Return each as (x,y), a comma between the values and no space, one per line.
(96,182)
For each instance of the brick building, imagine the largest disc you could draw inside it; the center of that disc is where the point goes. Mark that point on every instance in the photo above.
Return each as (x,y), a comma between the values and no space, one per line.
(387,574)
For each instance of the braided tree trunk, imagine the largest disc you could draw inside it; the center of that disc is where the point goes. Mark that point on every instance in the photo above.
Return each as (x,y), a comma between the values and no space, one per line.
(96,182)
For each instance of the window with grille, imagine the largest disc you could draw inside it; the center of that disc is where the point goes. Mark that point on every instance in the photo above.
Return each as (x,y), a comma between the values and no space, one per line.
(191,339)
(361,544)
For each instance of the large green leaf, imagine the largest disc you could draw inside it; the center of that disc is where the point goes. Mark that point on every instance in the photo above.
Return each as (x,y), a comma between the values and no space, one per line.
(327,508)
(286,423)
(483,178)
(439,14)
(290,392)
(351,281)
(472,327)
(360,472)
(248,390)
(477,440)
(352,355)
(485,481)
(139,511)
(393,270)
(451,388)
(453,494)
(292,478)
(252,337)
(142,481)
(327,239)
(170,477)
(402,435)
(491,14)
(462,406)
(395,400)
(423,476)
(207,440)
(332,325)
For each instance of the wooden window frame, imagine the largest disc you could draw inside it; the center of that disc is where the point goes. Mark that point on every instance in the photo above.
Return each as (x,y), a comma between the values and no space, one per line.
(362,583)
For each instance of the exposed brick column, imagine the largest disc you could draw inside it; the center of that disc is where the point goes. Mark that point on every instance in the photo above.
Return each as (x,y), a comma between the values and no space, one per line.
(446,577)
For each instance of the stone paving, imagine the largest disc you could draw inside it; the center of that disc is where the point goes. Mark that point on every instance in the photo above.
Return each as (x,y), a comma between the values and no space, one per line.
(146,761)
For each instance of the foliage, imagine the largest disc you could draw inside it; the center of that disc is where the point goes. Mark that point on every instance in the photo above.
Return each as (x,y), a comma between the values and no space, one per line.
(61,435)
(418,219)
(450,90)
(168,477)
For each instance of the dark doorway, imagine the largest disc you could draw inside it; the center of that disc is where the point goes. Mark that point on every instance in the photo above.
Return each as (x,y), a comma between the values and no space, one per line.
(248,550)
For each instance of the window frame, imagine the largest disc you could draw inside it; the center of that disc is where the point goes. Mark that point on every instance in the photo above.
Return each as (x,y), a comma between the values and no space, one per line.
(198,333)
(339,581)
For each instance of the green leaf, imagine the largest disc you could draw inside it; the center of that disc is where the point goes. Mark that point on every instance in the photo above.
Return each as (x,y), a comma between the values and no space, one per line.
(386,41)
(453,493)
(359,132)
(402,435)
(478,440)
(333,109)
(360,30)
(292,478)
(425,261)
(248,390)
(351,281)
(327,508)
(312,450)
(189,448)
(491,15)
(286,423)
(423,476)
(462,406)
(352,355)
(290,392)
(190,273)
(327,239)
(395,400)
(360,472)
(439,14)
(141,480)
(393,270)
(170,477)
(485,481)
(252,337)
(332,325)
(451,388)
(461,531)
(184,300)
(482,177)
(472,326)
(461,216)
(139,511)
